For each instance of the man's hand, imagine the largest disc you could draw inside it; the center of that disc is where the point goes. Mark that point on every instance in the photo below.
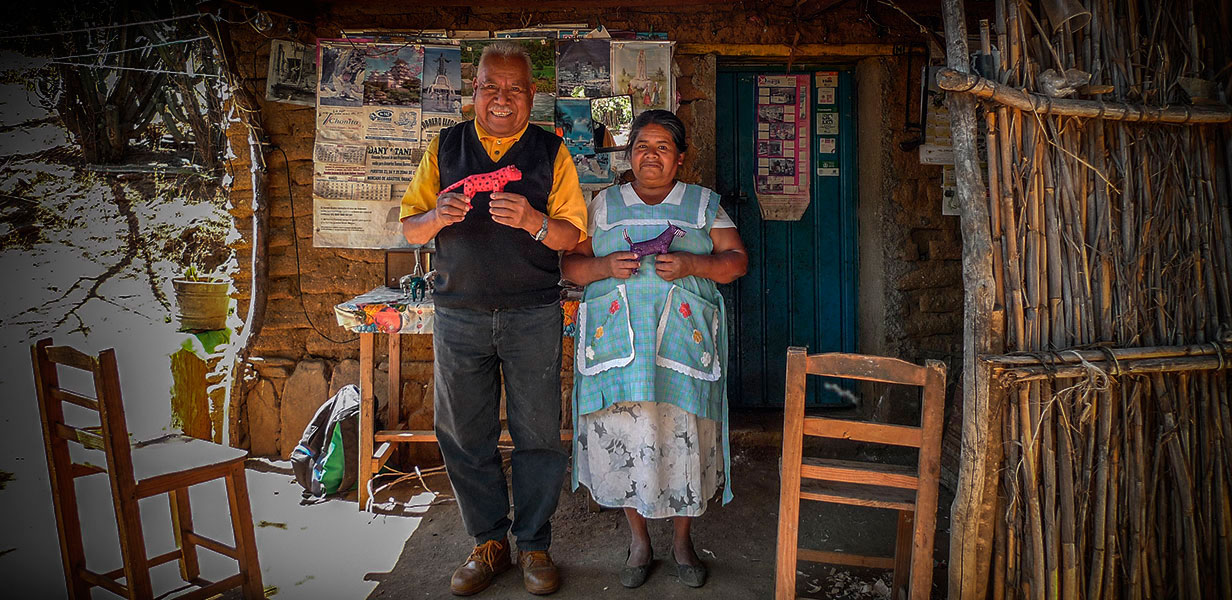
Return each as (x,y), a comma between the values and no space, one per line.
(621,265)
(512,210)
(675,265)
(451,208)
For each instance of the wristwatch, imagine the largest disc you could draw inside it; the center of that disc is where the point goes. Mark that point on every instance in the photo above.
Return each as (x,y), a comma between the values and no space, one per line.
(543,230)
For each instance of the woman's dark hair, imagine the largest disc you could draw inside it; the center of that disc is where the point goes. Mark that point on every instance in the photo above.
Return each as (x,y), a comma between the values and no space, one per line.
(663,118)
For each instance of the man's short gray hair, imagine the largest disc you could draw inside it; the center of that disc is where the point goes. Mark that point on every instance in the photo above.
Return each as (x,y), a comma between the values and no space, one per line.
(509,51)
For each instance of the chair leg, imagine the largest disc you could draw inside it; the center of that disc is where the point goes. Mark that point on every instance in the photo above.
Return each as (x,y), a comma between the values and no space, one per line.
(922,546)
(245,539)
(68,522)
(902,554)
(181,525)
(132,544)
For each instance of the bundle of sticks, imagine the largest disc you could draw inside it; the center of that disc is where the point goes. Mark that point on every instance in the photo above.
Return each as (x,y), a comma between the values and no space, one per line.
(1113,248)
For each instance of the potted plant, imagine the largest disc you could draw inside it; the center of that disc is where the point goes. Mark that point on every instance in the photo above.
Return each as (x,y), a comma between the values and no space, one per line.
(201,298)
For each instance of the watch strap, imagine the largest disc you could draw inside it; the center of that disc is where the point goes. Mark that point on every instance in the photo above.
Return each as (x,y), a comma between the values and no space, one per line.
(543,230)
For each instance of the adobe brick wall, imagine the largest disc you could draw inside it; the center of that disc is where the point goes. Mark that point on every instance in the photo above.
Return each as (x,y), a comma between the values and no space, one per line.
(912,281)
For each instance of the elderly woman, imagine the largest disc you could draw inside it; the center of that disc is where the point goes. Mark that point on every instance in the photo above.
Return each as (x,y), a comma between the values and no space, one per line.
(650,394)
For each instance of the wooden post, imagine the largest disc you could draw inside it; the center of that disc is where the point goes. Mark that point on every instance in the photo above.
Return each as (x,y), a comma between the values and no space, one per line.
(367,415)
(973,509)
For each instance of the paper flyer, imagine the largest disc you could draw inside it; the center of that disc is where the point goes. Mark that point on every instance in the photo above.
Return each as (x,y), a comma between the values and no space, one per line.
(392,125)
(783,133)
(356,223)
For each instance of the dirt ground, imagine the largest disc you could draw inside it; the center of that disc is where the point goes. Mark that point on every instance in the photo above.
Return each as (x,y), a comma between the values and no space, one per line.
(736,541)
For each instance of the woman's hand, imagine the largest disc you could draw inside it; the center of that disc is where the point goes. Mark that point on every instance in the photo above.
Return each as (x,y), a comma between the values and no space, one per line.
(621,265)
(675,265)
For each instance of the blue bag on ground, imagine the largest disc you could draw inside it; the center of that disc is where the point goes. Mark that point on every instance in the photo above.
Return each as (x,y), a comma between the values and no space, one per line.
(325,460)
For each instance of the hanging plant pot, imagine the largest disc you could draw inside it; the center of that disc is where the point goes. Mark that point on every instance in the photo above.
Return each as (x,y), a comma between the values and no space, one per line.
(202,304)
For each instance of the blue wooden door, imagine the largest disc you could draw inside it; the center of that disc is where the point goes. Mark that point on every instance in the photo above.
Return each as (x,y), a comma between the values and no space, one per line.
(800,289)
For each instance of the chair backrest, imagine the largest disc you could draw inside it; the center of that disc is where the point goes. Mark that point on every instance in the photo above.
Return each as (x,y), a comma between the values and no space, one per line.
(931,377)
(110,436)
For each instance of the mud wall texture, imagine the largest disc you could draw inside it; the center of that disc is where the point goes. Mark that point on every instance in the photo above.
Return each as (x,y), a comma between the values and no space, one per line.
(909,278)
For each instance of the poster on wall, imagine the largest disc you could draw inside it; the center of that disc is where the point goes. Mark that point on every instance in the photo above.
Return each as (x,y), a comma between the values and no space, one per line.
(442,81)
(643,71)
(341,75)
(356,223)
(292,76)
(392,75)
(783,132)
(594,169)
(583,68)
(574,125)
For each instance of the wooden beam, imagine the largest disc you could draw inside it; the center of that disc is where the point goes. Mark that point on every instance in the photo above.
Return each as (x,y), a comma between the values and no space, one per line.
(1113,369)
(971,514)
(951,80)
(801,50)
(860,431)
(865,473)
(843,558)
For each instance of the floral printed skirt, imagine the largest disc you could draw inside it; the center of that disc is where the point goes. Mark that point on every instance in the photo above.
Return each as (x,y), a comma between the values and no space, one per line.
(650,456)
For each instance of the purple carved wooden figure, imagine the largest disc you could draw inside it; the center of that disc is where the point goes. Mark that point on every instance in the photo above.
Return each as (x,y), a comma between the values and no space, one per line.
(656,245)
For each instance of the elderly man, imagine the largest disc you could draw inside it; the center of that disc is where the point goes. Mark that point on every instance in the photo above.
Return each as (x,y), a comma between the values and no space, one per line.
(497,316)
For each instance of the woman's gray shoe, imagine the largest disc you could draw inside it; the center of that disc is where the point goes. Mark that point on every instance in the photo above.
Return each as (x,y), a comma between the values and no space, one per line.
(632,577)
(689,575)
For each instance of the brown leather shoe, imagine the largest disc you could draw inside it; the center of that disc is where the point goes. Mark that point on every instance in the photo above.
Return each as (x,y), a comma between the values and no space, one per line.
(539,573)
(486,561)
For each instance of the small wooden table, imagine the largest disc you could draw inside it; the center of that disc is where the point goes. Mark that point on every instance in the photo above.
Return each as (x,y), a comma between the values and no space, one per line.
(389,311)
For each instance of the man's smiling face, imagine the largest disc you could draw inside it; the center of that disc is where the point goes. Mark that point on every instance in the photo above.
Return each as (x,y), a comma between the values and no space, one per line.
(504,94)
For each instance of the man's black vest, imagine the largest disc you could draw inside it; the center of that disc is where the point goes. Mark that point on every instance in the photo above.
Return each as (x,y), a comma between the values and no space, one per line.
(480,263)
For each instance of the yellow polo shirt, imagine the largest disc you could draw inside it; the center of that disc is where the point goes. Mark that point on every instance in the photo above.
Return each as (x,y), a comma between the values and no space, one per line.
(565,201)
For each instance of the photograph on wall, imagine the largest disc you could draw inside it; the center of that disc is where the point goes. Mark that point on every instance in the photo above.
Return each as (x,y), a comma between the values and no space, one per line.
(769,148)
(613,118)
(593,168)
(341,74)
(341,124)
(393,75)
(392,125)
(292,76)
(543,69)
(643,70)
(574,126)
(356,224)
(431,124)
(776,113)
(442,80)
(583,68)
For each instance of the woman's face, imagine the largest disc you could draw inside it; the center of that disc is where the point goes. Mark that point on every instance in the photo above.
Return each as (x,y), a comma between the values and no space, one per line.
(654,156)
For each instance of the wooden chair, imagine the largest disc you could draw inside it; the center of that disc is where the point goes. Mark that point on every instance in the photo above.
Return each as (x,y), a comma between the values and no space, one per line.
(169,465)
(910,491)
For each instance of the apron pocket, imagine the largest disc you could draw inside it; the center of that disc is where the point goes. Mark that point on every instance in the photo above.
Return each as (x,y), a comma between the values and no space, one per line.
(687,335)
(605,336)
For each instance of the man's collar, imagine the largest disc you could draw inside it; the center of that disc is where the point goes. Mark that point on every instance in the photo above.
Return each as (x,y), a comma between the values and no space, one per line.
(485,135)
